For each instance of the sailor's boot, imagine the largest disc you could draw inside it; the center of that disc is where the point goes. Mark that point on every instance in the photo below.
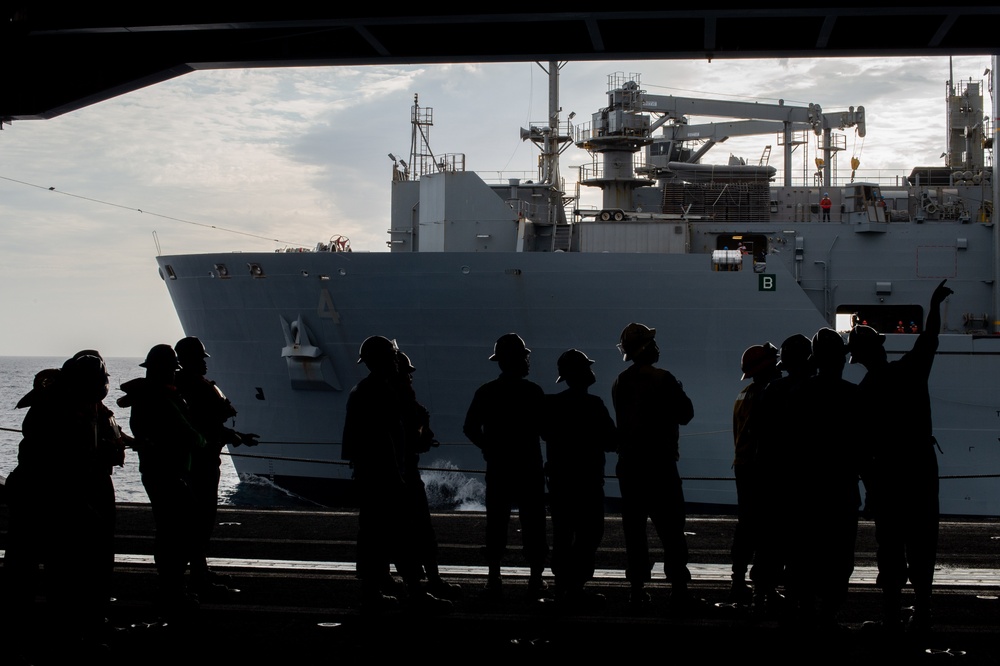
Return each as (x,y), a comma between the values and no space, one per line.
(741,592)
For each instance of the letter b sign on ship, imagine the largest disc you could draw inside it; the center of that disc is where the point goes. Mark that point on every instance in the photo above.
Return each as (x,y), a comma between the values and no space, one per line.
(766,282)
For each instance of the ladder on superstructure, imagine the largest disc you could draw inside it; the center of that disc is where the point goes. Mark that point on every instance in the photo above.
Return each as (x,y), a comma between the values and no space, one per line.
(562,237)
(766,156)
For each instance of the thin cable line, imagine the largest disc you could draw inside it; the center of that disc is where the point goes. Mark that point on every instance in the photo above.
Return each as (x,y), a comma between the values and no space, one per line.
(159,215)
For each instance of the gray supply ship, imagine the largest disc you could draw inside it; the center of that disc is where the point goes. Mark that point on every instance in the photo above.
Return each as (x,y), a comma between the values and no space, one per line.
(715,257)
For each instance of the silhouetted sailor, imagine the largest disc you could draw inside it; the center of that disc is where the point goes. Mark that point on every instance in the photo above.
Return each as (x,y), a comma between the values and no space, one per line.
(901,482)
(166,441)
(374,443)
(786,426)
(759,363)
(29,504)
(422,541)
(503,421)
(578,430)
(828,468)
(650,406)
(87,375)
(62,504)
(210,411)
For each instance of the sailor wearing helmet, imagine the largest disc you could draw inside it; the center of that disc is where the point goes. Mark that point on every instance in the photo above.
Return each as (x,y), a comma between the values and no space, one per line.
(210,411)
(61,503)
(374,444)
(786,423)
(578,431)
(503,420)
(825,204)
(166,441)
(829,465)
(650,406)
(901,484)
(759,363)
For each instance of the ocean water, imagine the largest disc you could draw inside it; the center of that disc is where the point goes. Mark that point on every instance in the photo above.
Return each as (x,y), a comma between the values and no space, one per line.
(16,376)
(450,490)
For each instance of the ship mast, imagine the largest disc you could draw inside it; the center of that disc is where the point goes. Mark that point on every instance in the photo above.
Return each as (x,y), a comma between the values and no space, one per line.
(550,152)
(422,160)
(551,142)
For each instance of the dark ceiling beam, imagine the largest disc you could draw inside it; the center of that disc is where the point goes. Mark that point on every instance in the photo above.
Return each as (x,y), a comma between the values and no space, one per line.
(58,60)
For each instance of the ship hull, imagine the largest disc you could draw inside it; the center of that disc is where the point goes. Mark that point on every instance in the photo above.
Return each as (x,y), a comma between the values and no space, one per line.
(283,331)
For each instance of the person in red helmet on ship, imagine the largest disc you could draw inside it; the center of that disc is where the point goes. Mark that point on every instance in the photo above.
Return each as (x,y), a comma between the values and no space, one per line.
(825,204)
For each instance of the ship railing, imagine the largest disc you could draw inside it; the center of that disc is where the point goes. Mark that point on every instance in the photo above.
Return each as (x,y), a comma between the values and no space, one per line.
(837,142)
(883,177)
(582,133)
(595,170)
(446,162)
(564,131)
(493,178)
(891,178)
(523,209)
(795,138)
(894,178)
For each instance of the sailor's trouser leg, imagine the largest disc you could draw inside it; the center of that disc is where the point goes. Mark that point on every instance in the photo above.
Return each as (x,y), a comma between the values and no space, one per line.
(668,516)
(634,517)
(745,536)
(531,513)
(498,508)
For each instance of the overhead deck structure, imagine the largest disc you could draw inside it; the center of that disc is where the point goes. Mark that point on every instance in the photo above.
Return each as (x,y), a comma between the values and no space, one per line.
(58,58)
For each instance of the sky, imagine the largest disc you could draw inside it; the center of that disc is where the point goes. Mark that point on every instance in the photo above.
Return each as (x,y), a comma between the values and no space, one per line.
(261,159)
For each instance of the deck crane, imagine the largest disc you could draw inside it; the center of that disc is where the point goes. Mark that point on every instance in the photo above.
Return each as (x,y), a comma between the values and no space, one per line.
(756,118)
(632,116)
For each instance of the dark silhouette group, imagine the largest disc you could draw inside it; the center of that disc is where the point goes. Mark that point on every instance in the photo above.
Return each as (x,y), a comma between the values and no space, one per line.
(62,498)
(62,508)
(385,431)
(178,421)
(508,419)
(806,442)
